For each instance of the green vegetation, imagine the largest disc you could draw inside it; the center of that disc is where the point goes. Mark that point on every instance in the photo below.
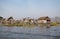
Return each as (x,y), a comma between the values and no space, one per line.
(20,25)
(55,24)
(30,25)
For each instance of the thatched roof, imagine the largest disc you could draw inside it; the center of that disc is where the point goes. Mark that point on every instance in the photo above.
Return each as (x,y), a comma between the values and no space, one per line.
(44,18)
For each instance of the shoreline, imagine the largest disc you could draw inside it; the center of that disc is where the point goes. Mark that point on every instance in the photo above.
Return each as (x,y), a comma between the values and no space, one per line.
(10,25)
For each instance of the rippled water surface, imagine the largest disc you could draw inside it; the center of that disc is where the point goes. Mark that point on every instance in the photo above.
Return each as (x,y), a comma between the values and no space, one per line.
(29,33)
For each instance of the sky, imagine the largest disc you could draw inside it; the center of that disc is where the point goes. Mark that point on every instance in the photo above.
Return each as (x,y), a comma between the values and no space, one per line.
(29,8)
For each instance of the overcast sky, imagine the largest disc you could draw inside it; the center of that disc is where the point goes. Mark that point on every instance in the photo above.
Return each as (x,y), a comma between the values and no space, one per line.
(29,8)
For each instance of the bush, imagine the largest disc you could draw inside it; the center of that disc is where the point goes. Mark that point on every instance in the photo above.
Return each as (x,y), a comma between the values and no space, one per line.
(53,24)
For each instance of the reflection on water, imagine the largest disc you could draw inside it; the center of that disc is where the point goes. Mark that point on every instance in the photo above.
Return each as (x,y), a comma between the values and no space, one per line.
(29,33)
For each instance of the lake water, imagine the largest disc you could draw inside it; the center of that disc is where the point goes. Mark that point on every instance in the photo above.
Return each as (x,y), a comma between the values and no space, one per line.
(29,33)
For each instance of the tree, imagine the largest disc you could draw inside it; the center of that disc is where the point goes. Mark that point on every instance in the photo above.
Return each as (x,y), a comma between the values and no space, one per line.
(1,17)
